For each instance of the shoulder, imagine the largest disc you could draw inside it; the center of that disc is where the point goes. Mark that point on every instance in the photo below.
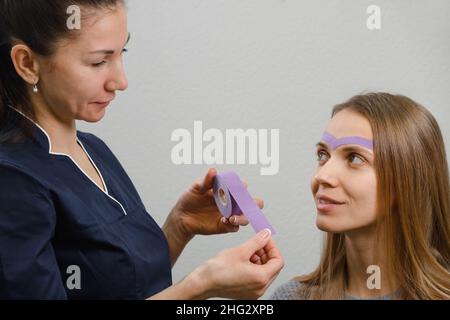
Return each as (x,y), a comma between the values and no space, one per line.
(25,202)
(15,174)
(288,291)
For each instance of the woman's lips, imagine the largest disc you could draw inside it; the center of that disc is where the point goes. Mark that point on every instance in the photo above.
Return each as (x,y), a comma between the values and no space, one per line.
(327,207)
(102,104)
(325,204)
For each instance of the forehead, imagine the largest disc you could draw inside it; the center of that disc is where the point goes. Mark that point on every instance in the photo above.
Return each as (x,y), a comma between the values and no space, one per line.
(99,28)
(105,22)
(347,123)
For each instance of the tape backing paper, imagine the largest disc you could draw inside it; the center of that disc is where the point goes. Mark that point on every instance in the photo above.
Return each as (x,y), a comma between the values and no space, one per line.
(233,199)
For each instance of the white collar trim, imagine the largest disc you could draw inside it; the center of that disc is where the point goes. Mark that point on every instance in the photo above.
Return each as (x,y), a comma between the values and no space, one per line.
(70,157)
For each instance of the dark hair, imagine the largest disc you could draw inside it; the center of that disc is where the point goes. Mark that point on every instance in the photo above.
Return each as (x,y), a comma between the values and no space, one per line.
(39,24)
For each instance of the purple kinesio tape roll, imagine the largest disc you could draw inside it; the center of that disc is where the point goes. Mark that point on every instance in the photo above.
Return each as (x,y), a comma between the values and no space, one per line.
(233,199)
(335,143)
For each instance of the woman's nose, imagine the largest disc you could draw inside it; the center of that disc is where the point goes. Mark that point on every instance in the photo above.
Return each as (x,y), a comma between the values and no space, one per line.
(327,174)
(118,80)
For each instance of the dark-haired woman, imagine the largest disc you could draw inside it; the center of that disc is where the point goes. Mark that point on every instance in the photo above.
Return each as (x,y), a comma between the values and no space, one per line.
(72,224)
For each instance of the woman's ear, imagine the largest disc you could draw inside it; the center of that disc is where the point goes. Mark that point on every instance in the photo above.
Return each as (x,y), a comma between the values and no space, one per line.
(25,63)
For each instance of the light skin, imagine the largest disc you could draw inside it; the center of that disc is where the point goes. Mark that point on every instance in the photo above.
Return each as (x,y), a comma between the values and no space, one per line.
(344,189)
(73,83)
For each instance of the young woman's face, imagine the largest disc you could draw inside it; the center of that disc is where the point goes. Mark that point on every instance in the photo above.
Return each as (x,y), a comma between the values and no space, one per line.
(344,184)
(81,78)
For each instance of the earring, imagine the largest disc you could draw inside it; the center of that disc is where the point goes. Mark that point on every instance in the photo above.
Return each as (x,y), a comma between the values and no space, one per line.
(35,88)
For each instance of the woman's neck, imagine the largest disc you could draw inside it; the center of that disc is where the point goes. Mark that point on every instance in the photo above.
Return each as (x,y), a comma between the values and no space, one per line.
(363,251)
(62,132)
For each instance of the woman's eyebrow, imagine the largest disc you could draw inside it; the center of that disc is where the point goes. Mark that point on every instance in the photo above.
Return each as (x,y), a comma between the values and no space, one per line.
(105,51)
(356,149)
(347,148)
(322,144)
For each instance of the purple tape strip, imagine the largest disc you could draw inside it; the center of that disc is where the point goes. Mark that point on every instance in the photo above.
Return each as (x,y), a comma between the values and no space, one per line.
(335,143)
(233,199)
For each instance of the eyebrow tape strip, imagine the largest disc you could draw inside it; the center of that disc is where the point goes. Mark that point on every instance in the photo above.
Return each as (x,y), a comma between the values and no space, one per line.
(335,143)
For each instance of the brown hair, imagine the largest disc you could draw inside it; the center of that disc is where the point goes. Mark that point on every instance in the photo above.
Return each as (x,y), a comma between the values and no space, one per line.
(39,24)
(413,203)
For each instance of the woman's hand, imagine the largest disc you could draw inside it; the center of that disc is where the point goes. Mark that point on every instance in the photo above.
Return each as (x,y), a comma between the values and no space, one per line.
(196,211)
(243,272)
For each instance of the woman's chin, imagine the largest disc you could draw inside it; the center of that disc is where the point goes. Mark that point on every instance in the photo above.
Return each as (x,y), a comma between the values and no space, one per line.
(324,227)
(93,117)
(340,225)
(327,225)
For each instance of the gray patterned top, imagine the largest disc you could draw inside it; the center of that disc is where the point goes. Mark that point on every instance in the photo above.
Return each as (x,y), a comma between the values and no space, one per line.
(290,291)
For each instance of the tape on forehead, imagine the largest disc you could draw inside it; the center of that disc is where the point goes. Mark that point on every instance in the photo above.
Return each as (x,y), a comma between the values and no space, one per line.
(335,143)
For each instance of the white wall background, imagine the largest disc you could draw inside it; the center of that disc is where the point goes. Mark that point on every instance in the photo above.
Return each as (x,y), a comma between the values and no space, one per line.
(265,64)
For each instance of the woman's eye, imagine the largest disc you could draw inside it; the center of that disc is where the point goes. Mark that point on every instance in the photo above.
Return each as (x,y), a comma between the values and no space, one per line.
(99,63)
(322,156)
(356,159)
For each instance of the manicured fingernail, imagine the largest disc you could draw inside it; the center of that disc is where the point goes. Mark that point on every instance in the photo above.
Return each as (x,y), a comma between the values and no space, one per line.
(266,233)
(235,220)
(223,220)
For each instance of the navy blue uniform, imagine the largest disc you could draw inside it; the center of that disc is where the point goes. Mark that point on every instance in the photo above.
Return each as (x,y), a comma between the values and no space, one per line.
(55,221)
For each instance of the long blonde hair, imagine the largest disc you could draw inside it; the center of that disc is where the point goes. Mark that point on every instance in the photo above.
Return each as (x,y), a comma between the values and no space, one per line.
(413,202)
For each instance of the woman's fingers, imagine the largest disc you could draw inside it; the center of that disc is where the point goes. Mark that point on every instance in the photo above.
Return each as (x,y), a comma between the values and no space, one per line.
(205,184)
(260,252)
(239,220)
(259,202)
(227,226)
(255,259)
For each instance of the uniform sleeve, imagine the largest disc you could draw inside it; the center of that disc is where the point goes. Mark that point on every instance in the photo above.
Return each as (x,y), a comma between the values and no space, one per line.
(28,267)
